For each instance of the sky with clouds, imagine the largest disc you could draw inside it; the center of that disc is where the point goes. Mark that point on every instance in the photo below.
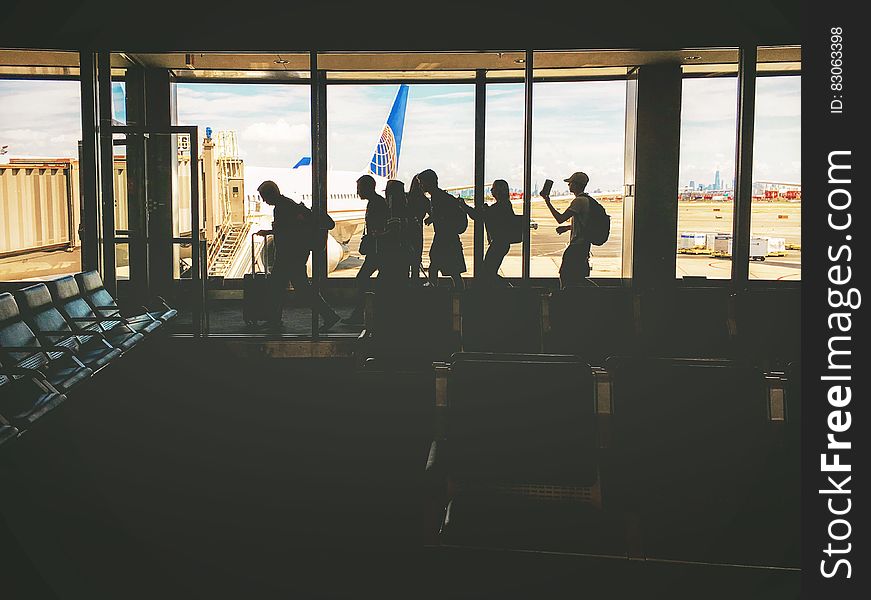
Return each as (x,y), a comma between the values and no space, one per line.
(576,126)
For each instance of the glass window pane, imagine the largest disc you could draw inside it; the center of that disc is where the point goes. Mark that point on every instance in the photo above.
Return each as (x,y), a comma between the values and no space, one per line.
(775,222)
(503,154)
(249,133)
(706,177)
(40,127)
(578,126)
(436,132)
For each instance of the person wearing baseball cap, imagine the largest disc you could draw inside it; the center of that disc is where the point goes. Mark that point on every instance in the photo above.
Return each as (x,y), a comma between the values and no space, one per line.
(575,267)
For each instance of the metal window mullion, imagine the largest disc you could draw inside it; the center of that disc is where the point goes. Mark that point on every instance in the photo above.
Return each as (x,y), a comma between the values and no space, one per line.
(107,169)
(89,182)
(743,166)
(480,137)
(197,271)
(317,203)
(527,164)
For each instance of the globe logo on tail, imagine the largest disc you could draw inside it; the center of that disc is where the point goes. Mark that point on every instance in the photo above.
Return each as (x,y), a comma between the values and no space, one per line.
(384,161)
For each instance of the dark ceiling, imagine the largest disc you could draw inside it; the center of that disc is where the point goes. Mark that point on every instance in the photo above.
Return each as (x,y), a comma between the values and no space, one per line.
(158,25)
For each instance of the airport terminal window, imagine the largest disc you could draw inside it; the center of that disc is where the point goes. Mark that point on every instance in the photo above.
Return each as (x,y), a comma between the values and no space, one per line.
(437,125)
(249,133)
(775,222)
(503,154)
(40,127)
(577,126)
(706,177)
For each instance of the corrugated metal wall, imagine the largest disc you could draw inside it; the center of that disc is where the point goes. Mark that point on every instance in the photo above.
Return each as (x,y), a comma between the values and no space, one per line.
(36,207)
(39,204)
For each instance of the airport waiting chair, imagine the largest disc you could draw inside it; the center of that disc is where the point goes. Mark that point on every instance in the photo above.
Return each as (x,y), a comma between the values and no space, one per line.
(408,329)
(768,324)
(7,432)
(591,322)
(90,347)
(94,292)
(687,322)
(517,463)
(25,397)
(694,457)
(502,320)
(30,376)
(79,315)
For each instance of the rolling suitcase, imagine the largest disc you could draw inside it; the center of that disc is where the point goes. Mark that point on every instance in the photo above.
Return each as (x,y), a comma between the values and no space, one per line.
(256,305)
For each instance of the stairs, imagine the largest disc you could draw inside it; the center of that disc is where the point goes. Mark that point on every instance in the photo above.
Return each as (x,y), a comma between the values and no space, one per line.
(230,244)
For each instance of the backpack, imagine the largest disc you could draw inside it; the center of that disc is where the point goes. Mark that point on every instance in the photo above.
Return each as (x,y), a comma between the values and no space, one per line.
(504,228)
(459,218)
(307,227)
(598,225)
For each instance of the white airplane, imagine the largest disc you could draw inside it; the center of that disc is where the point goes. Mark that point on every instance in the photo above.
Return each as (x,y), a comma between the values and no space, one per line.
(344,206)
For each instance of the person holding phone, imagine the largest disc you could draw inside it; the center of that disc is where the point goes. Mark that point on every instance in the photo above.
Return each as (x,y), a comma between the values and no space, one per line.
(575,267)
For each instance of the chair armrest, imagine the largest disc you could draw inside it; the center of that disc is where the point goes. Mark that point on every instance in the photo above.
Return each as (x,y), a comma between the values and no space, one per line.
(65,335)
(436,472)
(97,319)
(60,335)
(115,311)
(435,460)
(165,305)
(37,349)
(23,371)
(61,349)
(31,349)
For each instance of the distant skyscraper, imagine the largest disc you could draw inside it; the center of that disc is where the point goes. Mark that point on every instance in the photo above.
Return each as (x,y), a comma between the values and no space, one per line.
(692,184)
(717,179)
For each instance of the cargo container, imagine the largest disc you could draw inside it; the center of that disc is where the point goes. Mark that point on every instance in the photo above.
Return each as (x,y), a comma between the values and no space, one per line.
(723,246)
(776,246)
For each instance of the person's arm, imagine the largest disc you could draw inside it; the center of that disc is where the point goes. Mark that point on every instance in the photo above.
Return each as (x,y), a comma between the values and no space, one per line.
(561,217)
(470,210)
(563,228)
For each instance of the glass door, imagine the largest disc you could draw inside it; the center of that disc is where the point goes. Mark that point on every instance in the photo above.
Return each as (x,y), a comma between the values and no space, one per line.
(155,245)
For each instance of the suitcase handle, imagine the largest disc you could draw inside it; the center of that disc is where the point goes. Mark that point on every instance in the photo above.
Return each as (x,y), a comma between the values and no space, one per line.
(253,259)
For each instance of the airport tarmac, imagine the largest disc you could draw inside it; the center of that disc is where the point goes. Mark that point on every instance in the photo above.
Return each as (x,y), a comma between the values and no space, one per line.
(776,219)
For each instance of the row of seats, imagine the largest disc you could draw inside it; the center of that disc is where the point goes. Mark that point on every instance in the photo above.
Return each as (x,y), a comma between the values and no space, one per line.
(419,326)
(684,459)
(54,336)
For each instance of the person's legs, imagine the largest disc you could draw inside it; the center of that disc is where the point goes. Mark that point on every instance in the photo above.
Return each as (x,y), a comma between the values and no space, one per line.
(575,267)
(277,285)
(302,286)
(433,276)
(362,279)
(496,253)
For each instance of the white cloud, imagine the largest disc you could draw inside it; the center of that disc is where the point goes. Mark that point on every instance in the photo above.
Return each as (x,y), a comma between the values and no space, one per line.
(576,126)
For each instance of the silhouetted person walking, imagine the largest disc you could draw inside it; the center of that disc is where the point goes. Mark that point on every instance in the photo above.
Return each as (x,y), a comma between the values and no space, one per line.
(449,220)
(393,247)
(418,209)
(500,221)
(295,231)
(376,225)
(575,267)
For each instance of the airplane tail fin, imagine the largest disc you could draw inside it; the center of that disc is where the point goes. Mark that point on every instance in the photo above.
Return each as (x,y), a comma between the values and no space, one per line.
(385,160)
(119,104)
